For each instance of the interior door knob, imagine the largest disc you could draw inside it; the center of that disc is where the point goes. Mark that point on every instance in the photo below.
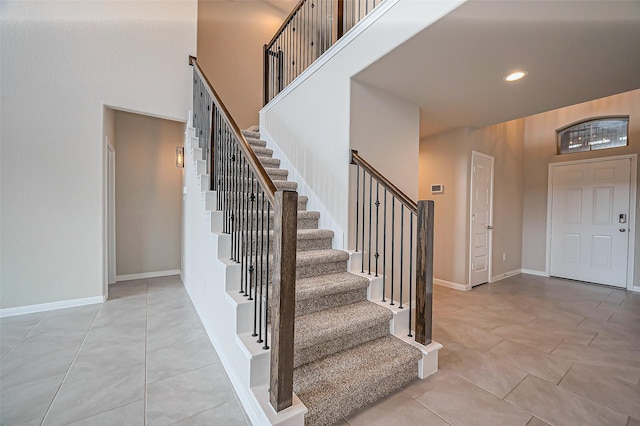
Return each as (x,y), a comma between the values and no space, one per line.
(489,226)
(623,230)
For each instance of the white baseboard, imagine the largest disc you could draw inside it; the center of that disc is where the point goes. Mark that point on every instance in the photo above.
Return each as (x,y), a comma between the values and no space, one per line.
(505,275)
(535,272)
(144,275)
(456,286)
(42,307)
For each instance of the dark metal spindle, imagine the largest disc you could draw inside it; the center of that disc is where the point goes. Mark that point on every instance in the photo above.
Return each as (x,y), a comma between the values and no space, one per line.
(262,218)
(256,263)
(410,268)
(252,211)
(370,207)
(364,188)
(357,203)
(401,251)
(377,223)
(266,294)
(244,205)
(384,248)
(234,195)
(393,241)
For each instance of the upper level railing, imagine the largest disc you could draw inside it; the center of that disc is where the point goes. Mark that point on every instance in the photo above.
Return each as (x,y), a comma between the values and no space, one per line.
(311,28)
(387,247)
(262,223)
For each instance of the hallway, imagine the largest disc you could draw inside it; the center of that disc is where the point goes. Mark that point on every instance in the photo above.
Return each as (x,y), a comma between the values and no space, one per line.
(522,351)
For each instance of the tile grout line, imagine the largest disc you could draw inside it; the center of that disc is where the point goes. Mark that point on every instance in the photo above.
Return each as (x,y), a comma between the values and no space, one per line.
(66,374)
(26,335)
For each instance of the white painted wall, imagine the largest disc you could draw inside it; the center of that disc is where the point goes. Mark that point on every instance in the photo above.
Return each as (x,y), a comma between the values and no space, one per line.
(312,124)
(61,62)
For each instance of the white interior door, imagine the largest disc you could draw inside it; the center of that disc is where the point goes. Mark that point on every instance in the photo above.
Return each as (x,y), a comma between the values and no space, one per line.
(481,218)
(590,221)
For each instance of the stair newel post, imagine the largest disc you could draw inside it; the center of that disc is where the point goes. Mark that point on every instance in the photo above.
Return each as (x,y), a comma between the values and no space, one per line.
(283,298)
(424,272)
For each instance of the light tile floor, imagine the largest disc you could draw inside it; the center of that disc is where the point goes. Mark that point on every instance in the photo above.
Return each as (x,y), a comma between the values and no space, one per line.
(526,351)
(523,351)
(142,357)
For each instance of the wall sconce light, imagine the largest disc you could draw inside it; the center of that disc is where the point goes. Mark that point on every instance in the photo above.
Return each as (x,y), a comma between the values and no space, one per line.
(180,156)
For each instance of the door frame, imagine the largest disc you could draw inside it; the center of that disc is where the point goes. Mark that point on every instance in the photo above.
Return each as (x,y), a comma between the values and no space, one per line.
(632,210)
(475,154)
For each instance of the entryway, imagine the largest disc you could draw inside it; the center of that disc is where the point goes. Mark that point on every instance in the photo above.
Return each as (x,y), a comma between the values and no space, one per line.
(591,220)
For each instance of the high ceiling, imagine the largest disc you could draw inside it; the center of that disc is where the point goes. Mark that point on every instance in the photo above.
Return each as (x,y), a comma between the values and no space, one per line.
(573,51)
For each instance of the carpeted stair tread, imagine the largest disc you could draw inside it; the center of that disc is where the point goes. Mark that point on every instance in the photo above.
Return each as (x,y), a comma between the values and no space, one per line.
(256,142)
(269,161)
(329,291)
(321,256)
(327,332)
(336,386)
(308,239)
(327,325)
(262,152)
(277,174)
(251,134)
(312,287)
(313,263)
(246,184)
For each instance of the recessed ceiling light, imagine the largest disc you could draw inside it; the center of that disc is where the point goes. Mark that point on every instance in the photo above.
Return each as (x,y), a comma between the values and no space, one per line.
(517,75)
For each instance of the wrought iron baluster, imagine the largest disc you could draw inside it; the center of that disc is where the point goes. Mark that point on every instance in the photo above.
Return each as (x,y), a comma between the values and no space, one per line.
(370,207)
(410,269)
(243,226)
(401,251)
(357,203)
(384,248)
(377,224)
(262,254)
(266,293)
(256,262)
(234,198)
(364,188)
(252,211)
(393,244)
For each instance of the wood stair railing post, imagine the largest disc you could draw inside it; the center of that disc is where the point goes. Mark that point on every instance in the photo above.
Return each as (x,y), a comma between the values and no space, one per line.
(424,272)
(283,298)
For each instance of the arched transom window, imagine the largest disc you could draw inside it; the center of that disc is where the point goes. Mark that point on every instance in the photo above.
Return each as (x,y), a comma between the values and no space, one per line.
(592,134)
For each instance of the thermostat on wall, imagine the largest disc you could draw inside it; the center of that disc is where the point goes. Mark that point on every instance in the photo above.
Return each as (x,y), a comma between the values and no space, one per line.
(437,189)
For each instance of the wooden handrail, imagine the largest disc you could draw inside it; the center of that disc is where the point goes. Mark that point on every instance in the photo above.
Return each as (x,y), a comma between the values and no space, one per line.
(386,183)
(260,173)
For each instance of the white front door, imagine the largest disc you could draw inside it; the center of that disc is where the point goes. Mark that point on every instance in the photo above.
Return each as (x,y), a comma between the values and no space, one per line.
(481,218)
(590,221)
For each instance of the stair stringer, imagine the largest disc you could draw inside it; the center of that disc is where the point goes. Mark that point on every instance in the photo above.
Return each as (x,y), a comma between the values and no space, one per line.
(212,282)
(399,324)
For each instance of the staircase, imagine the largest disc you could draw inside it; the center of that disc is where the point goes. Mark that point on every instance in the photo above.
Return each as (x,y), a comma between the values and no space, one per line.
(344,355)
